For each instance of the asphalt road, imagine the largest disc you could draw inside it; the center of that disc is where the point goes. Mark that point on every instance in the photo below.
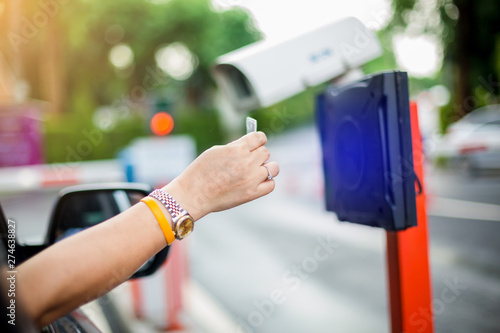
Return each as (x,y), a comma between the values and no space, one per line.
(467,251)
(284,264)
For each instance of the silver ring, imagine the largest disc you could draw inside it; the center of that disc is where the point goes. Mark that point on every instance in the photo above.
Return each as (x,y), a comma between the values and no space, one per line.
(270,176)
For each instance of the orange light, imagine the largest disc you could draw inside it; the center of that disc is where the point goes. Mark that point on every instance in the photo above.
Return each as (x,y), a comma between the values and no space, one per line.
(162,123)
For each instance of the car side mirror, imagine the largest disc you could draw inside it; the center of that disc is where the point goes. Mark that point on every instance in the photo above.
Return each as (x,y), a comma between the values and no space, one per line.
(83,206)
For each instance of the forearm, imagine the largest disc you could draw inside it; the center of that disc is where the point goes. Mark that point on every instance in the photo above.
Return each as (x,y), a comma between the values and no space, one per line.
(51,284)
(91,263)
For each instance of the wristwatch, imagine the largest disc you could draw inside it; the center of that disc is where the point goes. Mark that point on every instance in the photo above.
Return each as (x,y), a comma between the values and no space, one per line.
(183,222)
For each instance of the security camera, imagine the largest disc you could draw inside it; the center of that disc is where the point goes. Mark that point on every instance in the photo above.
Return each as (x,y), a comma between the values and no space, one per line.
(264,73)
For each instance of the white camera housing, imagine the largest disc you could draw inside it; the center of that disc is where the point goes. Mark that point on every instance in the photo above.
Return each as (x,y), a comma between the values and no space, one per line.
(264,73)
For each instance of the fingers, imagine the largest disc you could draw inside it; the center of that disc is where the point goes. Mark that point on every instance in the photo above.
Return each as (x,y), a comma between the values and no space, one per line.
(269,170)
(265,188)
(267,185)
(252,140)
(261,155)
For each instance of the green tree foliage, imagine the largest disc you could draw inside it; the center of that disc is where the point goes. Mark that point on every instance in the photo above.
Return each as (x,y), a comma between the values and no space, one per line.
(77,39)
(147,26)
(470,34)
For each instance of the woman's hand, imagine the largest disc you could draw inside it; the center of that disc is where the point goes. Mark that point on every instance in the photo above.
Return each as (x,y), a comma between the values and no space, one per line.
(225,176)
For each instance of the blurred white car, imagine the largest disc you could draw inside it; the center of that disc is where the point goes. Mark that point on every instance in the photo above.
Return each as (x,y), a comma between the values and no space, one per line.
(474,141)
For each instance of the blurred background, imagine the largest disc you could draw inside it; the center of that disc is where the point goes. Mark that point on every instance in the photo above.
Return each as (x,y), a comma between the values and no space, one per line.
(89,90)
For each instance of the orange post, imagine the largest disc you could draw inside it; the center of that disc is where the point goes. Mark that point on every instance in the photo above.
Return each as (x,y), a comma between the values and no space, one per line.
(176,273)
(135,289)
(410,291)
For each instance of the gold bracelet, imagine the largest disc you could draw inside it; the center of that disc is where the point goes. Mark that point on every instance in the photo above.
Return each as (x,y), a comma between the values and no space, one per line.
(160,218)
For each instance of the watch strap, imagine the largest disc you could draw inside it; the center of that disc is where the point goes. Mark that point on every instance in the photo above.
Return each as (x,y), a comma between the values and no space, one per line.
(173,207)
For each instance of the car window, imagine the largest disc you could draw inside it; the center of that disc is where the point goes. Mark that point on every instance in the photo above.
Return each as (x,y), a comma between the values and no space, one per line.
(491,127)
(496,122)
(483,115)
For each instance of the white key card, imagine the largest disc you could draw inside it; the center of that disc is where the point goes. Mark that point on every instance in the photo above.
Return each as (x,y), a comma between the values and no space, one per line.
(251,125)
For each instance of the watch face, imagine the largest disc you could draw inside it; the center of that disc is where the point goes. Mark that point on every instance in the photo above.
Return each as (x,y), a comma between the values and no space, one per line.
(184,226)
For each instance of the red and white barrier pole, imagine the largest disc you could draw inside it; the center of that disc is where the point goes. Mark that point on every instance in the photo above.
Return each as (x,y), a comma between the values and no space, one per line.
(160,298)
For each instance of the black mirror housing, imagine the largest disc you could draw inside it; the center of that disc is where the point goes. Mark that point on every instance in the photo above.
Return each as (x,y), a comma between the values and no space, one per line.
(83,206)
